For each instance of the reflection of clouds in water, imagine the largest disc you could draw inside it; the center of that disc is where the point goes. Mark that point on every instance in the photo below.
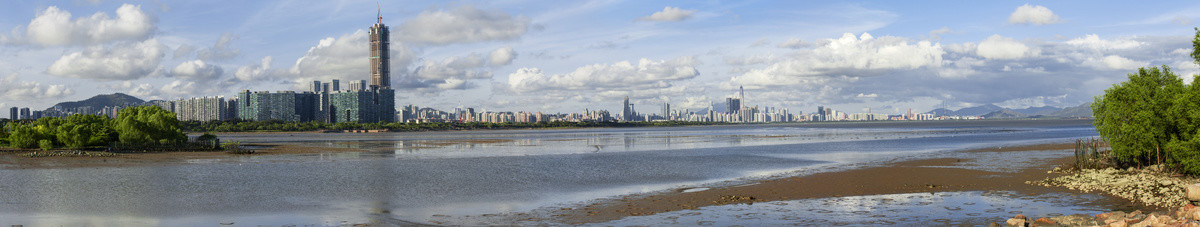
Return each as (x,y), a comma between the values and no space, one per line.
(914,209)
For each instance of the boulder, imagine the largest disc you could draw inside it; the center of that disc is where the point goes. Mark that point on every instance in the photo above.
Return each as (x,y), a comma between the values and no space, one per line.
(1016,222)
(1193,192)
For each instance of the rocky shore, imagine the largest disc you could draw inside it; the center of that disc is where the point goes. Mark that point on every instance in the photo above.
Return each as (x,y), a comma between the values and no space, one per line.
(1152,186)
(1187,215)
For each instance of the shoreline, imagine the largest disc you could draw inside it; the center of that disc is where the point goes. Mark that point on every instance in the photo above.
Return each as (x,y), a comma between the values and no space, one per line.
(12,159)
(910,176)
(813,124)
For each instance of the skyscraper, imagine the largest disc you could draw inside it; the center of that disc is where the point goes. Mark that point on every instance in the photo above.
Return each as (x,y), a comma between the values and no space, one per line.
(12,114)
(666,111)
(380,71)
(625,115)
(337,86)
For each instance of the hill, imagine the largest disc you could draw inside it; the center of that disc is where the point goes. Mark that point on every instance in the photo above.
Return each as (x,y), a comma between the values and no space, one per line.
(1005,113)
(978,110)
(100,101)
(1044,110)
(1084,110)
(941,112)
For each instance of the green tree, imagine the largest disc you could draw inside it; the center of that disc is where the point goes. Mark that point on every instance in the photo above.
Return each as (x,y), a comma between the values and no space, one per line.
(82,130)
(22,135)
(147,125)
(1134,115)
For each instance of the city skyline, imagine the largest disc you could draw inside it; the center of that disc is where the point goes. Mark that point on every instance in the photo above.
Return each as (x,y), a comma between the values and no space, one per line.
(564,57)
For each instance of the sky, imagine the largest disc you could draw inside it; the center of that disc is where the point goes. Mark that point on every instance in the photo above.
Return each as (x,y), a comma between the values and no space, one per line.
(567,56)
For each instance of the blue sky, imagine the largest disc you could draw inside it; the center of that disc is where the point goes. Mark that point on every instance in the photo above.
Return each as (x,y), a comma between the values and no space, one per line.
(565,56)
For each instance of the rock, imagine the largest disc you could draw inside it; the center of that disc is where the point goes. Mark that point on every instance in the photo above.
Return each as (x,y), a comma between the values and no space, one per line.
(1193,192)
(1016,222)
(993,224)
(1044,221)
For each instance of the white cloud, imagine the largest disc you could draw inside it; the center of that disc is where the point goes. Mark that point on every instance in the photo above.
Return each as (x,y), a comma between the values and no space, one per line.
(255,72)
(220,50)
(937,34)
(1121,63)
(1037,15)
(54,27)
(669,14)
(179,89)
(646,74)
(1093,41)
(848,55)
(123,61)
(502,56)
(452,73)
(1002,48)
(464,24)
(872,95)
(13,89)
(344,58)
(197,70)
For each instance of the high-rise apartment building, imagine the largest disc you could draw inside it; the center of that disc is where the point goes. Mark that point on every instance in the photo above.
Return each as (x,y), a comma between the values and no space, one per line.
(12,113)
(25,114)
(283,105)
(202,109)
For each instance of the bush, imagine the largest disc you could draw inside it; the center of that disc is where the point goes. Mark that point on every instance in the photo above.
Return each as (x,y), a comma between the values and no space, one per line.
(46,144)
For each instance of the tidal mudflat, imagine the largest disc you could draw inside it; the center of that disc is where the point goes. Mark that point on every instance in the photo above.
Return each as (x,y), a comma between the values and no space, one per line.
(476,177)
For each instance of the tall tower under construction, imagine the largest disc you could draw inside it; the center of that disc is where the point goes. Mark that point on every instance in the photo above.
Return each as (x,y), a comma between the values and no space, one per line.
(380,69)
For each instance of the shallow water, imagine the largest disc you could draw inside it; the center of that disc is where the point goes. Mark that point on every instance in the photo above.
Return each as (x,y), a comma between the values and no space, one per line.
(418,176)
(913,209)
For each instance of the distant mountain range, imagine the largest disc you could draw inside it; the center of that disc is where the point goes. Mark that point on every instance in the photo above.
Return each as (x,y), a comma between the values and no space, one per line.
(993,111)
(100,101)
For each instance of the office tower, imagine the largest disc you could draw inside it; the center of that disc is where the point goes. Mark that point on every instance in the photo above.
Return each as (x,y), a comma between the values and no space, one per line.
(316,87)
(12,113)
(379,59)
(337,86)
(362,84)
(741,94)
(820,113)
(667,111)
(627,111)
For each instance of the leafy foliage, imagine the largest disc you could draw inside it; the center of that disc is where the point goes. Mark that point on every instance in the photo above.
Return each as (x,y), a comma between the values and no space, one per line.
(46,144)
(1153,118)
(148,124)
(80,130)
(1133,115)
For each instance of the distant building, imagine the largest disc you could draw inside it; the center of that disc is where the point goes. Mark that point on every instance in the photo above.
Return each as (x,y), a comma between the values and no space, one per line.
(25,114)
(283,105)
(12,113)
(363,106)
(379,58)
(202,109)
